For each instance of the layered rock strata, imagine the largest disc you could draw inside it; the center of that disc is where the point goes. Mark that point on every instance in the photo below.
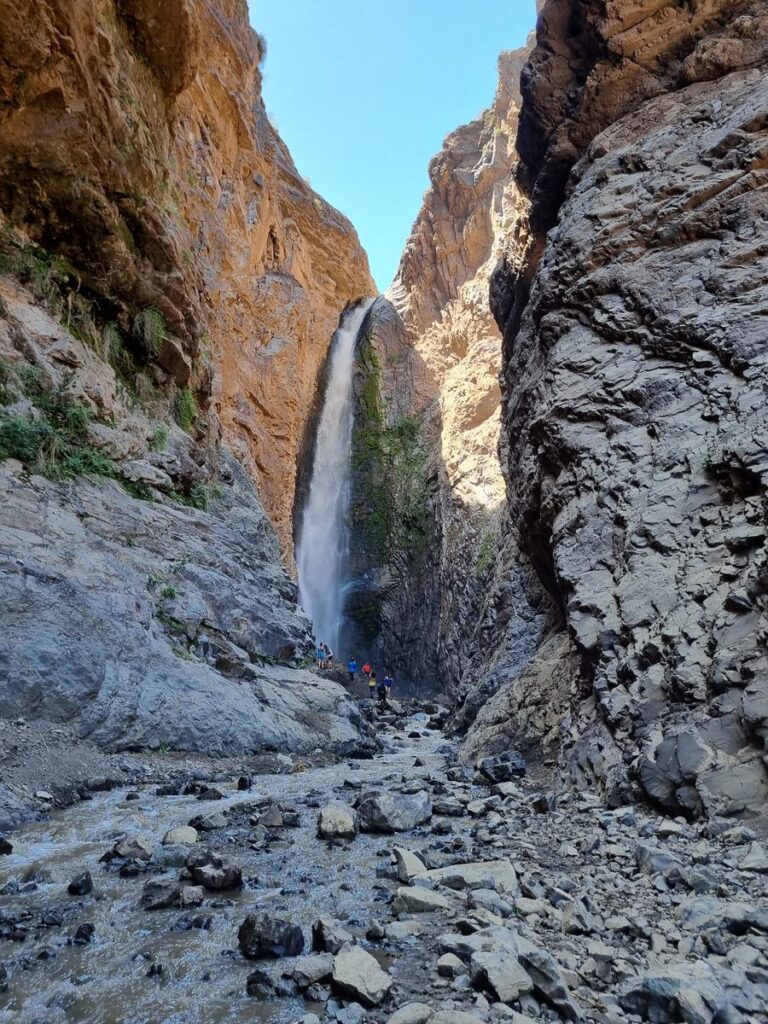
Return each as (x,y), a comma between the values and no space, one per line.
(134,143)
(634,389)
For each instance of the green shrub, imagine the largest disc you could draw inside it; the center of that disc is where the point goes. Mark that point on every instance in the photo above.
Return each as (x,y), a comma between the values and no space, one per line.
(6,378)
(197,497)
(149,329)
(137,490)
(485,553)
(169,592)
(22,438)
(159,440)
(186,409)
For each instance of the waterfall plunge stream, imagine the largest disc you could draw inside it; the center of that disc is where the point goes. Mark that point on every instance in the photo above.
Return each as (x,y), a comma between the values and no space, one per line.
(323,542)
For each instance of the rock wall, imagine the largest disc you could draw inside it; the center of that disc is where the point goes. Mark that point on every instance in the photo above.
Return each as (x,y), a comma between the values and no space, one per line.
(634,392)
(142,616)
(134,143)
(168,289)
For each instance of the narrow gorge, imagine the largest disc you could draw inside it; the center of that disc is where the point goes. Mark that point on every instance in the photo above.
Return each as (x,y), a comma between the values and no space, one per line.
(528,482)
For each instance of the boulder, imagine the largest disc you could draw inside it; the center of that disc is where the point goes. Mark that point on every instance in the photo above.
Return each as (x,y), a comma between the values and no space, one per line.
(81,884)
(501,974)
(419,900)
(132,848)
(328,936)
(208,822)
(184,835)
(357,975)
(310,969)
(491,874)
(411,1013)
(214,871)
(503,767)
(337,820)
(393,812)
(191,896)
(261,936)
(160,893)
(407,863)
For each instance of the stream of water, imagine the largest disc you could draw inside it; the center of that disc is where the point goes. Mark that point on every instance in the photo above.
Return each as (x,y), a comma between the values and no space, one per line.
(322,549)
(203,975)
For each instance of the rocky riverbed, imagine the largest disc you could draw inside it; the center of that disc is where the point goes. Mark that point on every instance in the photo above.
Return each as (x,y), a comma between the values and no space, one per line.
(403,888)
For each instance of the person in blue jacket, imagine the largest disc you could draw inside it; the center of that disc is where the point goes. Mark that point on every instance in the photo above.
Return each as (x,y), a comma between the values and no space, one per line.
(352,669)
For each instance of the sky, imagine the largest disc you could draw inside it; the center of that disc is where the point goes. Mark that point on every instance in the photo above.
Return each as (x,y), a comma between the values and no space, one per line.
(364,91)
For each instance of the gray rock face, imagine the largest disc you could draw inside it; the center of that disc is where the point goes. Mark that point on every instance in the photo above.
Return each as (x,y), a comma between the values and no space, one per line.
(633,396)
(357,975)
(393,812)
(105,599)
(261,936)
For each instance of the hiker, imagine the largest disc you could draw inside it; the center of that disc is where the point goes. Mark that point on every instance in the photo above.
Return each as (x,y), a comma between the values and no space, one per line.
(352,669)
(320,655)
(388,681)
(371,682)
(381,692)
(328,656)
(367,670)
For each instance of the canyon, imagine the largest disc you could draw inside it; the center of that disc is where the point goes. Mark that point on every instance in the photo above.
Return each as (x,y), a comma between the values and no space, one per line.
(555,531)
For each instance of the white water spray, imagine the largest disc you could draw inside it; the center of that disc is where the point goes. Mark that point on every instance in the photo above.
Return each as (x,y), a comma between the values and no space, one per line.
(323,544)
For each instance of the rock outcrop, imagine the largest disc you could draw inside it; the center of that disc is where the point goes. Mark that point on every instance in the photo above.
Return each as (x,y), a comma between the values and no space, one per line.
(633,383)
(168,289)
(134,144)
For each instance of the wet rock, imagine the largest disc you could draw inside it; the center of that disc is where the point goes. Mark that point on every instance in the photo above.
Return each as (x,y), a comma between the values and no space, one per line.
(328,936)
(272,817)
(244,782)
(99,784)
(6,846)
(310,969)
(169,856)
(357,975)
(159,894)
(210,793)
(393,812)
(337,821)
(259,985)
(3,978)
(181,836)
(81,884)
(503,767)
(132,848)
(191,896)
(84,933)
(261,936)
(169,789)
(419,900)
(214,871)
(208,822)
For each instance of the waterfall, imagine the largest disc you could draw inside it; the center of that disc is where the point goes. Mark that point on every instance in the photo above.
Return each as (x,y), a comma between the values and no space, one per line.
(322,549)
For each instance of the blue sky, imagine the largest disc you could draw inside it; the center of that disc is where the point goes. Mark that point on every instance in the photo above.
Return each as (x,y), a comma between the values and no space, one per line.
(364,92)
